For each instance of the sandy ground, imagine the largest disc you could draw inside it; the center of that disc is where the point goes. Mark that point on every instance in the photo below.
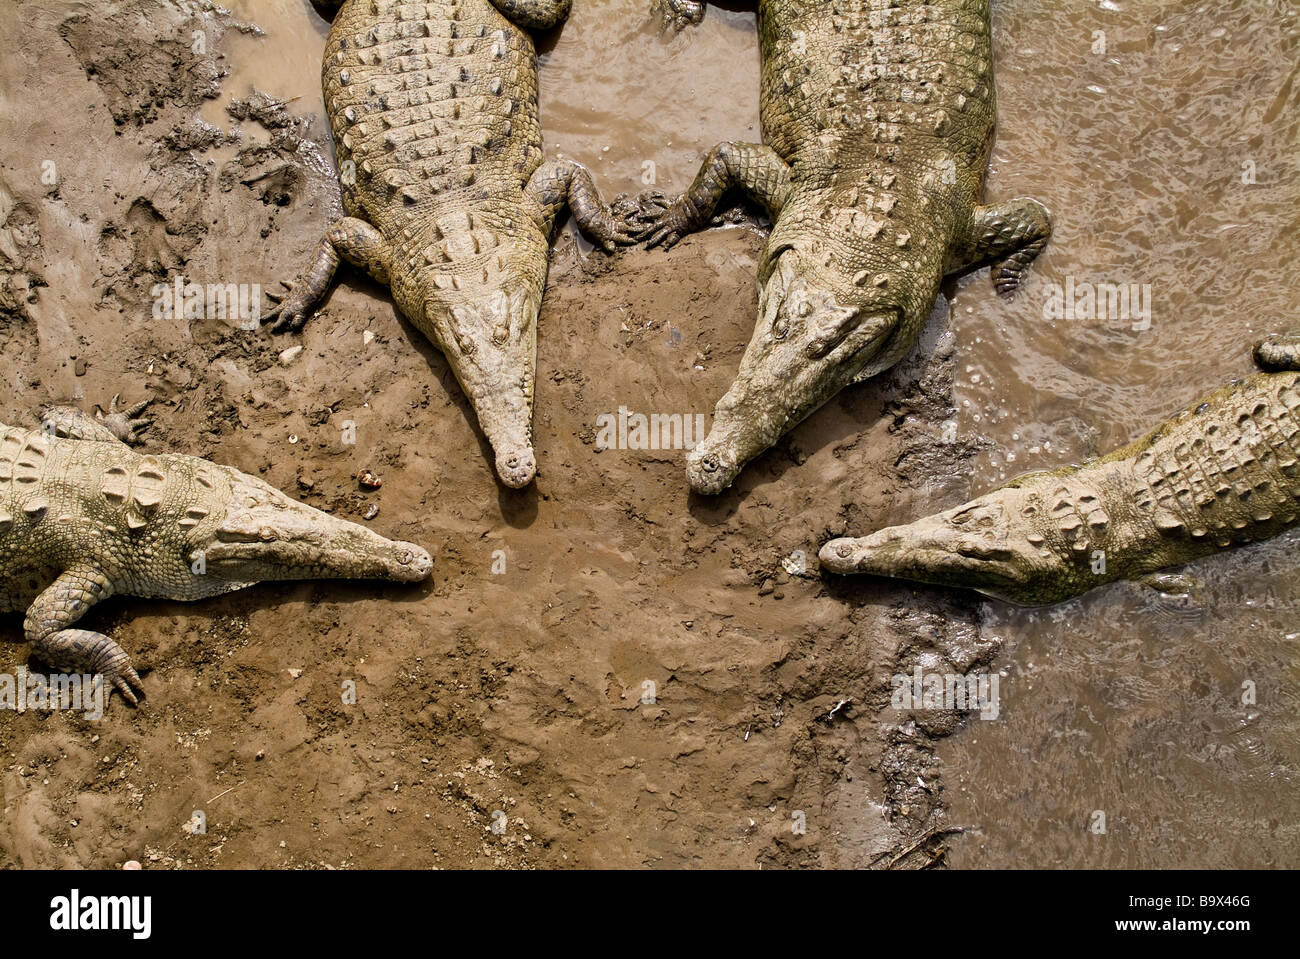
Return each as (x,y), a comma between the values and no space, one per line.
(515,696)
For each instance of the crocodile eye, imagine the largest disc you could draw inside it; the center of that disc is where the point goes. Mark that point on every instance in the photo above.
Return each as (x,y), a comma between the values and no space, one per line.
(781,330)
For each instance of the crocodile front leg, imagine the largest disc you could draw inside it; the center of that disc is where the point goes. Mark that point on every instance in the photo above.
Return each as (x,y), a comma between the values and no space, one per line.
(357,242)
(119,426)
(560,183)
(534,14)
(1009,235)
(48,627)
(757,168)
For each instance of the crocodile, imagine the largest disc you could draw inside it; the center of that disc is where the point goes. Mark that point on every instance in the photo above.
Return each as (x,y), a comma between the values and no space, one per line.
(1221,473)
(83,516)
(447,200)
(877,124)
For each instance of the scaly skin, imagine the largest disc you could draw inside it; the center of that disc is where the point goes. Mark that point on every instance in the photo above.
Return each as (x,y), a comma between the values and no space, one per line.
(1219,474)
(434,109)
(83,516)
(877,120)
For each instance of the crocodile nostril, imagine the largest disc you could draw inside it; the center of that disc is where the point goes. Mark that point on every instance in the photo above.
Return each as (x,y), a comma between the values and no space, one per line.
(709,464)
(513,462)
(844,549)
(405,558)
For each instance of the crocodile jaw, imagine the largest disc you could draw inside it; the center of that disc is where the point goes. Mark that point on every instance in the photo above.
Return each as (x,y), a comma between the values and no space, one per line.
(488,333)
(265,535)
(974,546)
(808,344)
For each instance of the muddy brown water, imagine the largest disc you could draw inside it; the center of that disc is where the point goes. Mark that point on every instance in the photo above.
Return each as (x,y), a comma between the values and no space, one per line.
(1163,136)
(1170,161)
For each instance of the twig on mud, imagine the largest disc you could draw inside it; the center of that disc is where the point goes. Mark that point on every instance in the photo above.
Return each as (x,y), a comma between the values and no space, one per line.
(916,844)
(826,717)
(220,794)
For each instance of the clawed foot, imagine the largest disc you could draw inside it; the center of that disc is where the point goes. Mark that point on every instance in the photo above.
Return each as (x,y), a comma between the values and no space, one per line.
(639,215)
(1281,351)
(124,424)
(679,14)
(123,677)
(289,311)
(619,226)
(665,221)
(85,651)
(111,661)
(1006,280)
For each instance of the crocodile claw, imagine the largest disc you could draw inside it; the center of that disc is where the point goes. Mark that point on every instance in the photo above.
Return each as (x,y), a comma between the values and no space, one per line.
(640,215)
(104,657)
(123,677)
(289,311)
(620,227)
(666,221)
(1280,351)
(125,424)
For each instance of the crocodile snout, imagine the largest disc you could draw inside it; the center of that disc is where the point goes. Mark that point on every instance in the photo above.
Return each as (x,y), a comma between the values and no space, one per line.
(413,563)
(709,473)
(517,467)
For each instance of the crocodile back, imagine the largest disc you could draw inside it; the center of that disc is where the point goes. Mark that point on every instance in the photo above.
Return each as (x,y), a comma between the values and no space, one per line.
(133,517)
(859,85)
(433,105)
(884,110)
(1224,472)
